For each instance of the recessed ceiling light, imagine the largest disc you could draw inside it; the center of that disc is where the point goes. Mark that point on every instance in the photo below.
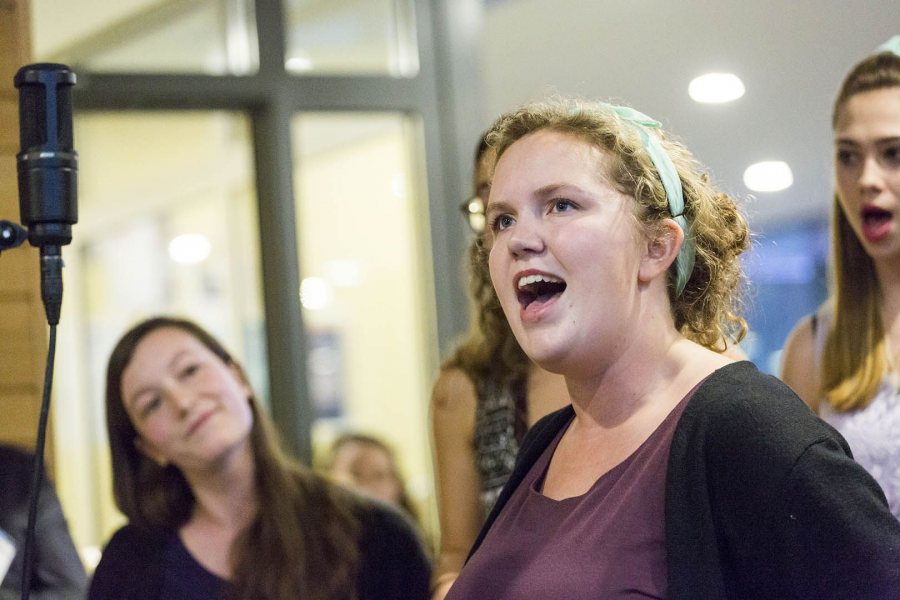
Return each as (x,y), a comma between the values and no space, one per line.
(768,176)
(716,88)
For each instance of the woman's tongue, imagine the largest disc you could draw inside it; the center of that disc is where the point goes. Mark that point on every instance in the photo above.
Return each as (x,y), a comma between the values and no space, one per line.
(534,296)
(876,223)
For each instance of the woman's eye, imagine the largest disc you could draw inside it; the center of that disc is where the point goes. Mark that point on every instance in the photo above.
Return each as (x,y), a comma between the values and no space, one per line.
(846,157)
(562,205)
(892,155)
(150,406)
(189,370)
(501,222)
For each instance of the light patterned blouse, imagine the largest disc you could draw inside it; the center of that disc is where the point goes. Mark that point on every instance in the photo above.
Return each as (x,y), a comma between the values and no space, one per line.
(873,432)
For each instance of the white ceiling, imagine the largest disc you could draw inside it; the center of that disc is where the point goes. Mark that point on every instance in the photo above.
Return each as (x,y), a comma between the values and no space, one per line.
(791,55)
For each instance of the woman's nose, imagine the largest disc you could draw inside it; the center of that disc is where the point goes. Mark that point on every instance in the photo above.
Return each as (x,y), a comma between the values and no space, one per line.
(181,397)
(526,236)
(871,177)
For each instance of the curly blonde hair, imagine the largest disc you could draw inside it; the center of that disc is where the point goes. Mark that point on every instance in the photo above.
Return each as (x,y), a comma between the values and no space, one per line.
(708,309)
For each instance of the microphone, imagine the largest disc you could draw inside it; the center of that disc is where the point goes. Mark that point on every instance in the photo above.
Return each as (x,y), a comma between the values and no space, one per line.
(47,169)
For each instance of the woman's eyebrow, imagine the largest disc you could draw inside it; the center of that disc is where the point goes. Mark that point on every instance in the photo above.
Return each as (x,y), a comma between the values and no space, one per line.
(883,141)
(552,188)
(498,206)
(132,398)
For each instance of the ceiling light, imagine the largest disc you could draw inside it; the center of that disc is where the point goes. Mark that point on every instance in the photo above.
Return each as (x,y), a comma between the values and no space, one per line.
(189,249)
(768,176)
(716,88)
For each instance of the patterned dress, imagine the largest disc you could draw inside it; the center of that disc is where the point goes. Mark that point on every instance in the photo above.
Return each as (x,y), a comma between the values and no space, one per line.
(873,432)
(500,424)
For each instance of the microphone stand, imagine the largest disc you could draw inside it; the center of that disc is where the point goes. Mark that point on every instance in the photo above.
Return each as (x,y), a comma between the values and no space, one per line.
(12,236)
(47,168)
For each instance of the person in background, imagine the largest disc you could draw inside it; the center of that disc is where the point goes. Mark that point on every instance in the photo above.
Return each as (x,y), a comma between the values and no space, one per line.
(215,508)
(57,572)
(484,399)
(677,472)
(367,464)
(844,360)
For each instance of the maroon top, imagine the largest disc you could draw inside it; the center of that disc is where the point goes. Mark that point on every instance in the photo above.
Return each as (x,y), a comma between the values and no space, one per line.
(607,543)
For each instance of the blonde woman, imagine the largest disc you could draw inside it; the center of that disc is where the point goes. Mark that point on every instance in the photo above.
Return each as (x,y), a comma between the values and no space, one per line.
(843,360)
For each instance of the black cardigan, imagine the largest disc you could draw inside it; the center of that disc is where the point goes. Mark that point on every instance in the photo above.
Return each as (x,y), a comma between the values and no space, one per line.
(763,499)
(393,563)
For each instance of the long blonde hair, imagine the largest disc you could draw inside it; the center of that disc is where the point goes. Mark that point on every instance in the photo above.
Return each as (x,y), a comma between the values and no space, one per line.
(855,356)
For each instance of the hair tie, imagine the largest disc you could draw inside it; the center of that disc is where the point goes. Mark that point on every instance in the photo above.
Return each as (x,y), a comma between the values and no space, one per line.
(668,175)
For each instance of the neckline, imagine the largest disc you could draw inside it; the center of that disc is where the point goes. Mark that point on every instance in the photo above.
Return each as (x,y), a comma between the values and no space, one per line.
(181,548)
(537,485)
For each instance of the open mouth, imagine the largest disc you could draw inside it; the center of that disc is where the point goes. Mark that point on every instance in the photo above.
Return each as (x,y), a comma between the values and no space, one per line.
(876,222)
(874,216)
(538,288)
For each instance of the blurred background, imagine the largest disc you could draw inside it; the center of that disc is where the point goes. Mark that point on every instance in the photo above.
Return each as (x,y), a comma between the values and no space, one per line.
(288,173)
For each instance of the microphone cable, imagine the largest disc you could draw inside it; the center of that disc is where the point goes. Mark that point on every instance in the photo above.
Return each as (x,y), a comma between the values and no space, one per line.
(38,468)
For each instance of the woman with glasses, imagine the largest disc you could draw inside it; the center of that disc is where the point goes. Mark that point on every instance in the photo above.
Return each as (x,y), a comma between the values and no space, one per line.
(487,395)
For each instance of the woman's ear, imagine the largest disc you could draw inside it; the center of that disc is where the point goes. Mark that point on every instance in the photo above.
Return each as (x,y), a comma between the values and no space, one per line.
(662,248)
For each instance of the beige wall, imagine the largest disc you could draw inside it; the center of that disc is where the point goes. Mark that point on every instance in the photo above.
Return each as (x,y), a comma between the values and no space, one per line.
(23,336)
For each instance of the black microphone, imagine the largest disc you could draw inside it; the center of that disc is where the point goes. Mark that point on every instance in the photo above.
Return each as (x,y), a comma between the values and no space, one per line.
(47,168)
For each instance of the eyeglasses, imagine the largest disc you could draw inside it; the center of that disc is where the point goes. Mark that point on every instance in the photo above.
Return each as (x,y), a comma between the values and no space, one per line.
(473,209)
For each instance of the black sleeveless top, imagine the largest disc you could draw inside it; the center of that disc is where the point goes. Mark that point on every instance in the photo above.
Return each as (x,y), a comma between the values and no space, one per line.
(501,420)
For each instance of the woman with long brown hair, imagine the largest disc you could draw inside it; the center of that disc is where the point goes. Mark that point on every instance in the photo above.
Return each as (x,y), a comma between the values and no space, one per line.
(215,508)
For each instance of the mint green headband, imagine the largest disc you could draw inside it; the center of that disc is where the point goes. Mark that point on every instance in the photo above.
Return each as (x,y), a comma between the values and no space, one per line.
(668,175)
(892,45)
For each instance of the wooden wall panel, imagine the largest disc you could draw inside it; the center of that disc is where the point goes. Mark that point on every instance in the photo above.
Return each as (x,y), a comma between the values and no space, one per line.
(18,267)
(20,413)
(15,40)
(17,339)
(23,331)
(9,123)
